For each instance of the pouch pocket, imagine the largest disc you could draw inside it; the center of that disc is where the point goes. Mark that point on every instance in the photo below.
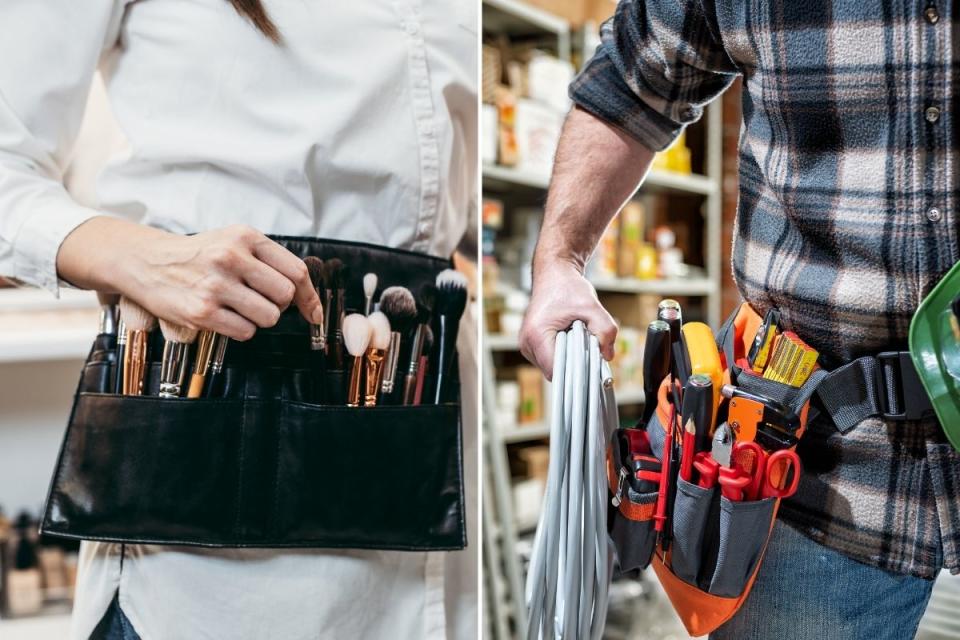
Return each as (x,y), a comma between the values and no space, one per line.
(120,445)
(370,477)
(691,511)
(744,531)
(632,530)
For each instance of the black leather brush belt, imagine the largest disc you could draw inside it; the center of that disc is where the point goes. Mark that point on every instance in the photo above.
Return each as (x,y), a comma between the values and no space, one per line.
(265,463)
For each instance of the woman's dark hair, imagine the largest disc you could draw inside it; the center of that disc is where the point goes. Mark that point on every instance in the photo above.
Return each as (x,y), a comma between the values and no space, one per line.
(253,11)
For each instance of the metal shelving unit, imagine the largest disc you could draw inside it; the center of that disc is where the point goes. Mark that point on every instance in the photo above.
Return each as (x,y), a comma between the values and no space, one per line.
(505,575)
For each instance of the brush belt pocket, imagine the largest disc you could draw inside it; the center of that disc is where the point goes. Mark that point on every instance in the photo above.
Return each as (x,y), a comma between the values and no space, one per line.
(268,462)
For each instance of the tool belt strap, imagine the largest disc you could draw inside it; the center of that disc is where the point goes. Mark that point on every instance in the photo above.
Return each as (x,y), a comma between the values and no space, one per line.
(885,385)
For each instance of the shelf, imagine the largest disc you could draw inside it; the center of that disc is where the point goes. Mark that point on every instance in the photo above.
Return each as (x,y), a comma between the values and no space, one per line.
(524,433)
(517,18)
(500,177)
(501,342)
(35,326)
(29,299)
(672,286)
(629,395)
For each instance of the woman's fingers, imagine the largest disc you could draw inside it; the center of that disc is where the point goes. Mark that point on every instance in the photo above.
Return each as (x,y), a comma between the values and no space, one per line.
(268,282)
(230,324)
(293,268)
(251,305)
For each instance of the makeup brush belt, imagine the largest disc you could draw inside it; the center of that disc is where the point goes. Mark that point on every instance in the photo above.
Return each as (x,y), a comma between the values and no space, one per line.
(268,460)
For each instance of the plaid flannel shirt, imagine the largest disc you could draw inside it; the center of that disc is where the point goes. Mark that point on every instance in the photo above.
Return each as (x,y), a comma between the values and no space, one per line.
(847,214)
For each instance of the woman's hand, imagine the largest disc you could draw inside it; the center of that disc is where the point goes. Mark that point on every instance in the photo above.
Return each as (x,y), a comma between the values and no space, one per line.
(229,280)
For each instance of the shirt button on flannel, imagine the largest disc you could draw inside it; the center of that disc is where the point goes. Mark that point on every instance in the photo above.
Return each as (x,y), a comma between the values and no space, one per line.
(932,114)
(934,215)
(932,15)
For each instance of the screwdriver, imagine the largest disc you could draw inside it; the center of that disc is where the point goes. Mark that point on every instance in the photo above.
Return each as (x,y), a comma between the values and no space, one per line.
(698,406)
(656,364)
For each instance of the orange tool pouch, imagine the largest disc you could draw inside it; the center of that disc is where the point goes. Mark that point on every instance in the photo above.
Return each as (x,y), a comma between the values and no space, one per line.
(717,545)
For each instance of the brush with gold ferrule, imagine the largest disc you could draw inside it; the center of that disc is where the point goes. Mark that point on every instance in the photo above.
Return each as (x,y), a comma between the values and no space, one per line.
(400,307)
(356,338)
(176,355)
(201,363)
(139,323)
(376,352)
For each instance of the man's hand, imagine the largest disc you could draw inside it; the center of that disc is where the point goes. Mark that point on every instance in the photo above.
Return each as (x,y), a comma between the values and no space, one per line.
(561,295)
(229,280)
(597,168)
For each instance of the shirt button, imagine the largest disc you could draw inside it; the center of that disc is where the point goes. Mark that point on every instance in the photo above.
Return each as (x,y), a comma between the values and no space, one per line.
(932,15)
(934,215)
(932,114)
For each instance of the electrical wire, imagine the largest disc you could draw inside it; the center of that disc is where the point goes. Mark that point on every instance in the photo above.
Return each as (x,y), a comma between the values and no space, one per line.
(569,576)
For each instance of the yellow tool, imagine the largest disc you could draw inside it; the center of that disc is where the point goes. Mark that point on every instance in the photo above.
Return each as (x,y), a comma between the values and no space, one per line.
(704,357)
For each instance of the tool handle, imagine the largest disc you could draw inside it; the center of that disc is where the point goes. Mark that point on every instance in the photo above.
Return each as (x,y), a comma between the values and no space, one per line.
(660,515)
(656,363)
(195,390)
(409,388)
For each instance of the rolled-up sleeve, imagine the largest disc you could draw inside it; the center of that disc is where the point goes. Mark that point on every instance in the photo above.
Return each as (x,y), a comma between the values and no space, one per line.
(658,64)
(49,52)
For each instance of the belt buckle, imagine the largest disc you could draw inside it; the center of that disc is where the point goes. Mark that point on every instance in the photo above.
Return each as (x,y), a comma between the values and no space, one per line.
(911,398)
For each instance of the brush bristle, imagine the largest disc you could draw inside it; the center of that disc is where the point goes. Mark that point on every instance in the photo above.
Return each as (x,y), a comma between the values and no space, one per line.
(135,317)
(451,278)
(427,299)
(380,330)
(400,308)
(369,284)
(427,339)
(451,293)
(107,298)
(176,333)
(356,333)
(331,270)
(315,269)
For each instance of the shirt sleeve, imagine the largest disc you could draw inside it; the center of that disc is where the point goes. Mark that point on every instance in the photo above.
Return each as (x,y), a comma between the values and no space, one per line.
(50,51)
(658,64)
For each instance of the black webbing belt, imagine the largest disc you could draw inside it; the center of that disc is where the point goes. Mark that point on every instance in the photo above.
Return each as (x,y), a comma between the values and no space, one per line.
(885,385)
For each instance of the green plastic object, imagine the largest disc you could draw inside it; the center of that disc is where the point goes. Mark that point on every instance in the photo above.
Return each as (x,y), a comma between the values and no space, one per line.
(935,350)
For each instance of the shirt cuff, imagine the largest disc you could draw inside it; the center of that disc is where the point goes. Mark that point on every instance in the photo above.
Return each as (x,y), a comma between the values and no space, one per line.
(38,242)
(600,89)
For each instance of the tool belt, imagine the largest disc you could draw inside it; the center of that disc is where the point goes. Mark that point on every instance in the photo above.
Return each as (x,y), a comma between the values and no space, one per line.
(885,385)
(266,463)
(717,540)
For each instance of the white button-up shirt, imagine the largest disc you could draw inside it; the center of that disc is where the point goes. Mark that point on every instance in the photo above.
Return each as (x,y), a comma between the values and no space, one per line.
(360,126)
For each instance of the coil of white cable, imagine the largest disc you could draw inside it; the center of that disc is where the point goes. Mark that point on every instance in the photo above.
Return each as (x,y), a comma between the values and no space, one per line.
(569,576)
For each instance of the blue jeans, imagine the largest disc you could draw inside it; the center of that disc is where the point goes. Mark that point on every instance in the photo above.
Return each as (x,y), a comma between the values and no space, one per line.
(114,625)
(807,591)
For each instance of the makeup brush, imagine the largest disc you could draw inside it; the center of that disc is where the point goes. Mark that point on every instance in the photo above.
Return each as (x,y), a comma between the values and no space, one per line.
(201,363)
(416,351)
(318,332)
(176,352)
(335,273)
(121,348)
(423,369)
(450,303)
(356,337)
(139,323)
(218,355)
(108,313)
(369,288)
(400,307)
(379,343)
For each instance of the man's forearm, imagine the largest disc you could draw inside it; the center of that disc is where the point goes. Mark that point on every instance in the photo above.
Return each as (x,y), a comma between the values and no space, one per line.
(597,168)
